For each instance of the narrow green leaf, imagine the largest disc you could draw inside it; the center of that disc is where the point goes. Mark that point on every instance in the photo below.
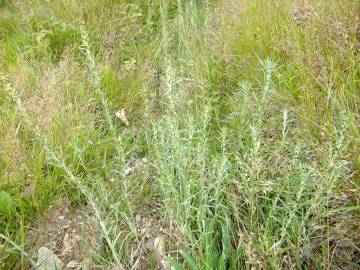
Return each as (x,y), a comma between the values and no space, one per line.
(5,203)
(189,259)
(222,263)
(175,264)
(348,209)
(226,242)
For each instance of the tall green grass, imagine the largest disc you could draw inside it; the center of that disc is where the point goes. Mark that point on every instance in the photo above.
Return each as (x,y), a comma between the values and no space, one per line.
(248,120)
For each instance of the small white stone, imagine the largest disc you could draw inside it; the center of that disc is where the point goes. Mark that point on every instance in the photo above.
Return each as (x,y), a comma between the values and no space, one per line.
(47,260)
(138,218)
(73,265)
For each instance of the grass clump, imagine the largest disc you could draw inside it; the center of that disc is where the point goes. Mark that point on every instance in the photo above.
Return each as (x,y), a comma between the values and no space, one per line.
(192,135)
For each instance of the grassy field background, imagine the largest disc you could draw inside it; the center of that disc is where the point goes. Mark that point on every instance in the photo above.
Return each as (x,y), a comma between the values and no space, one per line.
(153,134)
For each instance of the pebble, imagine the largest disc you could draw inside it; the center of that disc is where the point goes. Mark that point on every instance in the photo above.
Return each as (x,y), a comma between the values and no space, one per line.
(47,260)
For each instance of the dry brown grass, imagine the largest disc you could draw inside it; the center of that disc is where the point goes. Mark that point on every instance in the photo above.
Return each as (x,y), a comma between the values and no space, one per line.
(43,96)
(46,100)
(11,152)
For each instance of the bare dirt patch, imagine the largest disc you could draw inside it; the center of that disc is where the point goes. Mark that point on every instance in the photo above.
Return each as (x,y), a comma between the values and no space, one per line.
(69,234)
(155,239)
(302,13)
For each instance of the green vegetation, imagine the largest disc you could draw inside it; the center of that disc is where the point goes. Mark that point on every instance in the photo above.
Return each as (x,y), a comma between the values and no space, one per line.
(229,128)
